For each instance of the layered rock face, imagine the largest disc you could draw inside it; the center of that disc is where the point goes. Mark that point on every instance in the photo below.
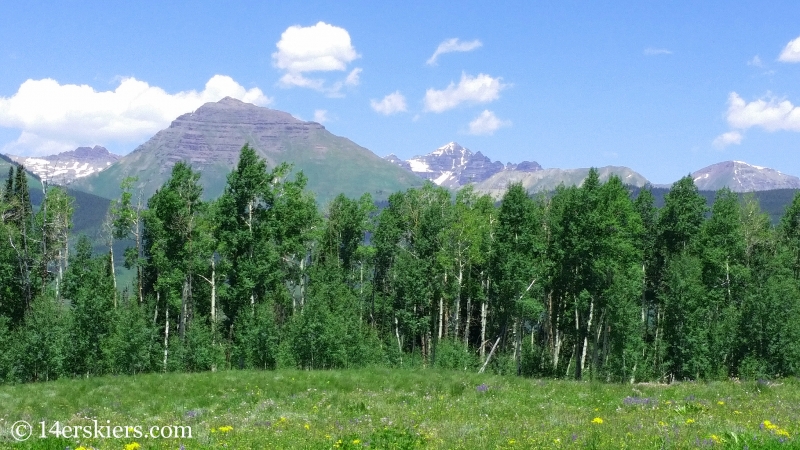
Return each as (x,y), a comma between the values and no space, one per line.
(211,138)
(454,166)
(66,167)
(216,132)
(740,176)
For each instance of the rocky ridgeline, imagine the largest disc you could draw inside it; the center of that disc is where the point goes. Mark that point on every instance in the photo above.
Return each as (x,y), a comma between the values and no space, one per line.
(454,166)
(66,167)
(214,133)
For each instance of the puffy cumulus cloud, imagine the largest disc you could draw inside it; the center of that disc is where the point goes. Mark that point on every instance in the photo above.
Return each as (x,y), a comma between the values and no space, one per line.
(791,53)
(487,123)
(52,116)
(650,51)
(480,89)
(453,45)
(391,104)
(318,48)
(320,116)
(726,139)
(770,114)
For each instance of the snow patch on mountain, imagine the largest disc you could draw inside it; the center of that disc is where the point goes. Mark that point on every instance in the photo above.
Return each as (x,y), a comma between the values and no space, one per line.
(453,166)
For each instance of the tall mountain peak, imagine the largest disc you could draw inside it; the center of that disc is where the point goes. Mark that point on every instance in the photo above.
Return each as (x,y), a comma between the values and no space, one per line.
(453,166)
(740,176)
(210,139)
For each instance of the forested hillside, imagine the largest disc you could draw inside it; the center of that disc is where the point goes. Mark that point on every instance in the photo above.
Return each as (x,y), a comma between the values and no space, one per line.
(585,283)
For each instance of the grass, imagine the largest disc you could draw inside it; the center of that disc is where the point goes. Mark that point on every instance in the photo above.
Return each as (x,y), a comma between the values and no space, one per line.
(382,408)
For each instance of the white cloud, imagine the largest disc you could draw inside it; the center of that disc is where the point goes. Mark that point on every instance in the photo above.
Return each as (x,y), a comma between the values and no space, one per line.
(320,116)
(726,139)
(487,123)
(391,104)
(650,51)
(354,77)
(52,116)
(791,53)
(480,89)
(755,62)
(771,114)
(453,45)
(318,48)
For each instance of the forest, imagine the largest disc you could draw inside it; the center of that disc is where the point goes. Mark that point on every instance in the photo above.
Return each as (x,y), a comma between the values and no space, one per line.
(585,282)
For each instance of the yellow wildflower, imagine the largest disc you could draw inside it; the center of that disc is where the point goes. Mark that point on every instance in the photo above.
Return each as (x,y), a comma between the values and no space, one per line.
(225,429)
(782,432)
(720,402)
(662,423)
(597,420)
(307,426)
(282,419)
(689,421)
(512,442)
(356,441)
(81,448)
(769,425)
(132,446)
(716,439)
(737,412)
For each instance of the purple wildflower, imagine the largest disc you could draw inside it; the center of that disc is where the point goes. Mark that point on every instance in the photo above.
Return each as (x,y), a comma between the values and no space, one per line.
(482,387)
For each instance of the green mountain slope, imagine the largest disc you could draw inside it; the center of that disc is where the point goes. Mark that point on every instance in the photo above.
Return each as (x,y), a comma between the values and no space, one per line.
(210,138)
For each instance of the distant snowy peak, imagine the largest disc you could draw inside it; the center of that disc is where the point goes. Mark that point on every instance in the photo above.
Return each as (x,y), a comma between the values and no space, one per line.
(454,166)
(66,167)
(740,176)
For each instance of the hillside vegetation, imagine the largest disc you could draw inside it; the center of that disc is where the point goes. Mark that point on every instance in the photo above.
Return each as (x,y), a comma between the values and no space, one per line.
(586,283)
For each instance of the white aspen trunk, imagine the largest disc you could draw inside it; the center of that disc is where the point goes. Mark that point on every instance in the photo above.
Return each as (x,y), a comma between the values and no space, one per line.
(644,291)
(486,362)
(457,302)
(184,306)
(728,279)
(441,316)
(467,321)
(361,295)
(557,341)
(113,272)
(397,334)
(166,336)
(518,343)
(60,275)
(484,313)
(655,340)
(302,283)
(586,336)
(213,282)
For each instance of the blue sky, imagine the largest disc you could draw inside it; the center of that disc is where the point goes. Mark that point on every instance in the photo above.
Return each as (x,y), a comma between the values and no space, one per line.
(662,87)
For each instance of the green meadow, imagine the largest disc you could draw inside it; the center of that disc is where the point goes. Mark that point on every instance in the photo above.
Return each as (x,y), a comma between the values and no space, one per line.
(403,409)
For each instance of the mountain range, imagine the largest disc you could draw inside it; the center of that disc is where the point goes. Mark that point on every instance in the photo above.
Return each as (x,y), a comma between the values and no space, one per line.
(454,166)
(209,139)
(66,167)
